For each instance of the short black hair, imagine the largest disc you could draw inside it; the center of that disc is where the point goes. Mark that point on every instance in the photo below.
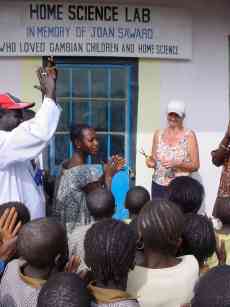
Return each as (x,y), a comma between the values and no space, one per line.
(110,251)
(28,114)
(41,241)
(222,209)
(64,290)
(3,112)
(198,237)
(136,198)
(22,210)
(213,288)
(161,223)
(101,203)
(77,132)
(187,193)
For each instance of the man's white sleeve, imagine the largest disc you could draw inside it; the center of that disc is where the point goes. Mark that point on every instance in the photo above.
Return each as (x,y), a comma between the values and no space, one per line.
(29,139)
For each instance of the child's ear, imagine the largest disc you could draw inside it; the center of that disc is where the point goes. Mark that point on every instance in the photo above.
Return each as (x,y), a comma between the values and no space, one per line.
(77,144)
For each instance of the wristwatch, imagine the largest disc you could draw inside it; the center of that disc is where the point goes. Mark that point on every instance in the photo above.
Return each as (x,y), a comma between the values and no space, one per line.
(2,266)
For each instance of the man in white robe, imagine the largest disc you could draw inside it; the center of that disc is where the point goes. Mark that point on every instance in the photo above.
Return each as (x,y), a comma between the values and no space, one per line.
(21,142)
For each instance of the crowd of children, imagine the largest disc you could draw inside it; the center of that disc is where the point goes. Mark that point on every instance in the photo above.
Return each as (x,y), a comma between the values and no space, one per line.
(161,256)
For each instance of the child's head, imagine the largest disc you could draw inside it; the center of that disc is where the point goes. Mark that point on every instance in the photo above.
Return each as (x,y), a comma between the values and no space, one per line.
(101,203)
(222,209)
(42,243)
(64,290)
(198,237)
(187,193)
(109,251)
(213,288)
(21,209)
(136,198)
(161,223)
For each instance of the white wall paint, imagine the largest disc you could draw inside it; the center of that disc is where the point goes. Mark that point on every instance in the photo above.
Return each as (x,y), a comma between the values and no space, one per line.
(208,175)
(10,80)
(202,83)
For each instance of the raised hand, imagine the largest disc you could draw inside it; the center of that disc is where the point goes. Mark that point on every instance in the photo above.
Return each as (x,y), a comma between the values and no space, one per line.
(9,228)
(47,83)
(8,249)
(51,68)
(73,264)
(8,225)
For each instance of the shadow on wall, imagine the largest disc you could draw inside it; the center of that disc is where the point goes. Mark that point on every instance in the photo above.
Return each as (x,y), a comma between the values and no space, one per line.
(197,176)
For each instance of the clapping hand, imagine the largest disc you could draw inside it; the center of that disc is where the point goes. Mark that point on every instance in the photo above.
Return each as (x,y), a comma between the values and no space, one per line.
(118,162)
(114,165)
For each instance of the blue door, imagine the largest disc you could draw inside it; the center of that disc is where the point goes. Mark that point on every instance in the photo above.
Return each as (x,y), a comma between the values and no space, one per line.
(99,95)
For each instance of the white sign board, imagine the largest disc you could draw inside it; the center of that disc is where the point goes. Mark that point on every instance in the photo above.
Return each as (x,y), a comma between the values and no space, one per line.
(34,28)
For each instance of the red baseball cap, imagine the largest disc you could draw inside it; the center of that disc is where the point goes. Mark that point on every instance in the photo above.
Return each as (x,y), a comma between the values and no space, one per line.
(9,102)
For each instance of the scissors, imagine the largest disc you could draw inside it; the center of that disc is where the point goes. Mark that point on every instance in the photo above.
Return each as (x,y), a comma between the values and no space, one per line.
(143,153)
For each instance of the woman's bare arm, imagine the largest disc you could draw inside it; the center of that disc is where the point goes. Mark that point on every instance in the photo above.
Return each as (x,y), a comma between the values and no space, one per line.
(193,153)
(151,160)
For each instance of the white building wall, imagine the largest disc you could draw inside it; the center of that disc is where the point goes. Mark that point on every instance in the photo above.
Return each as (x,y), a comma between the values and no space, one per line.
(202,83)
(10,76)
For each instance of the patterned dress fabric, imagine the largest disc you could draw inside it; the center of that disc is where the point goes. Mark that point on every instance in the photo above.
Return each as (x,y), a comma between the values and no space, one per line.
(70,199)
(224,188)
(14,292)
(163,176)
(76,243)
